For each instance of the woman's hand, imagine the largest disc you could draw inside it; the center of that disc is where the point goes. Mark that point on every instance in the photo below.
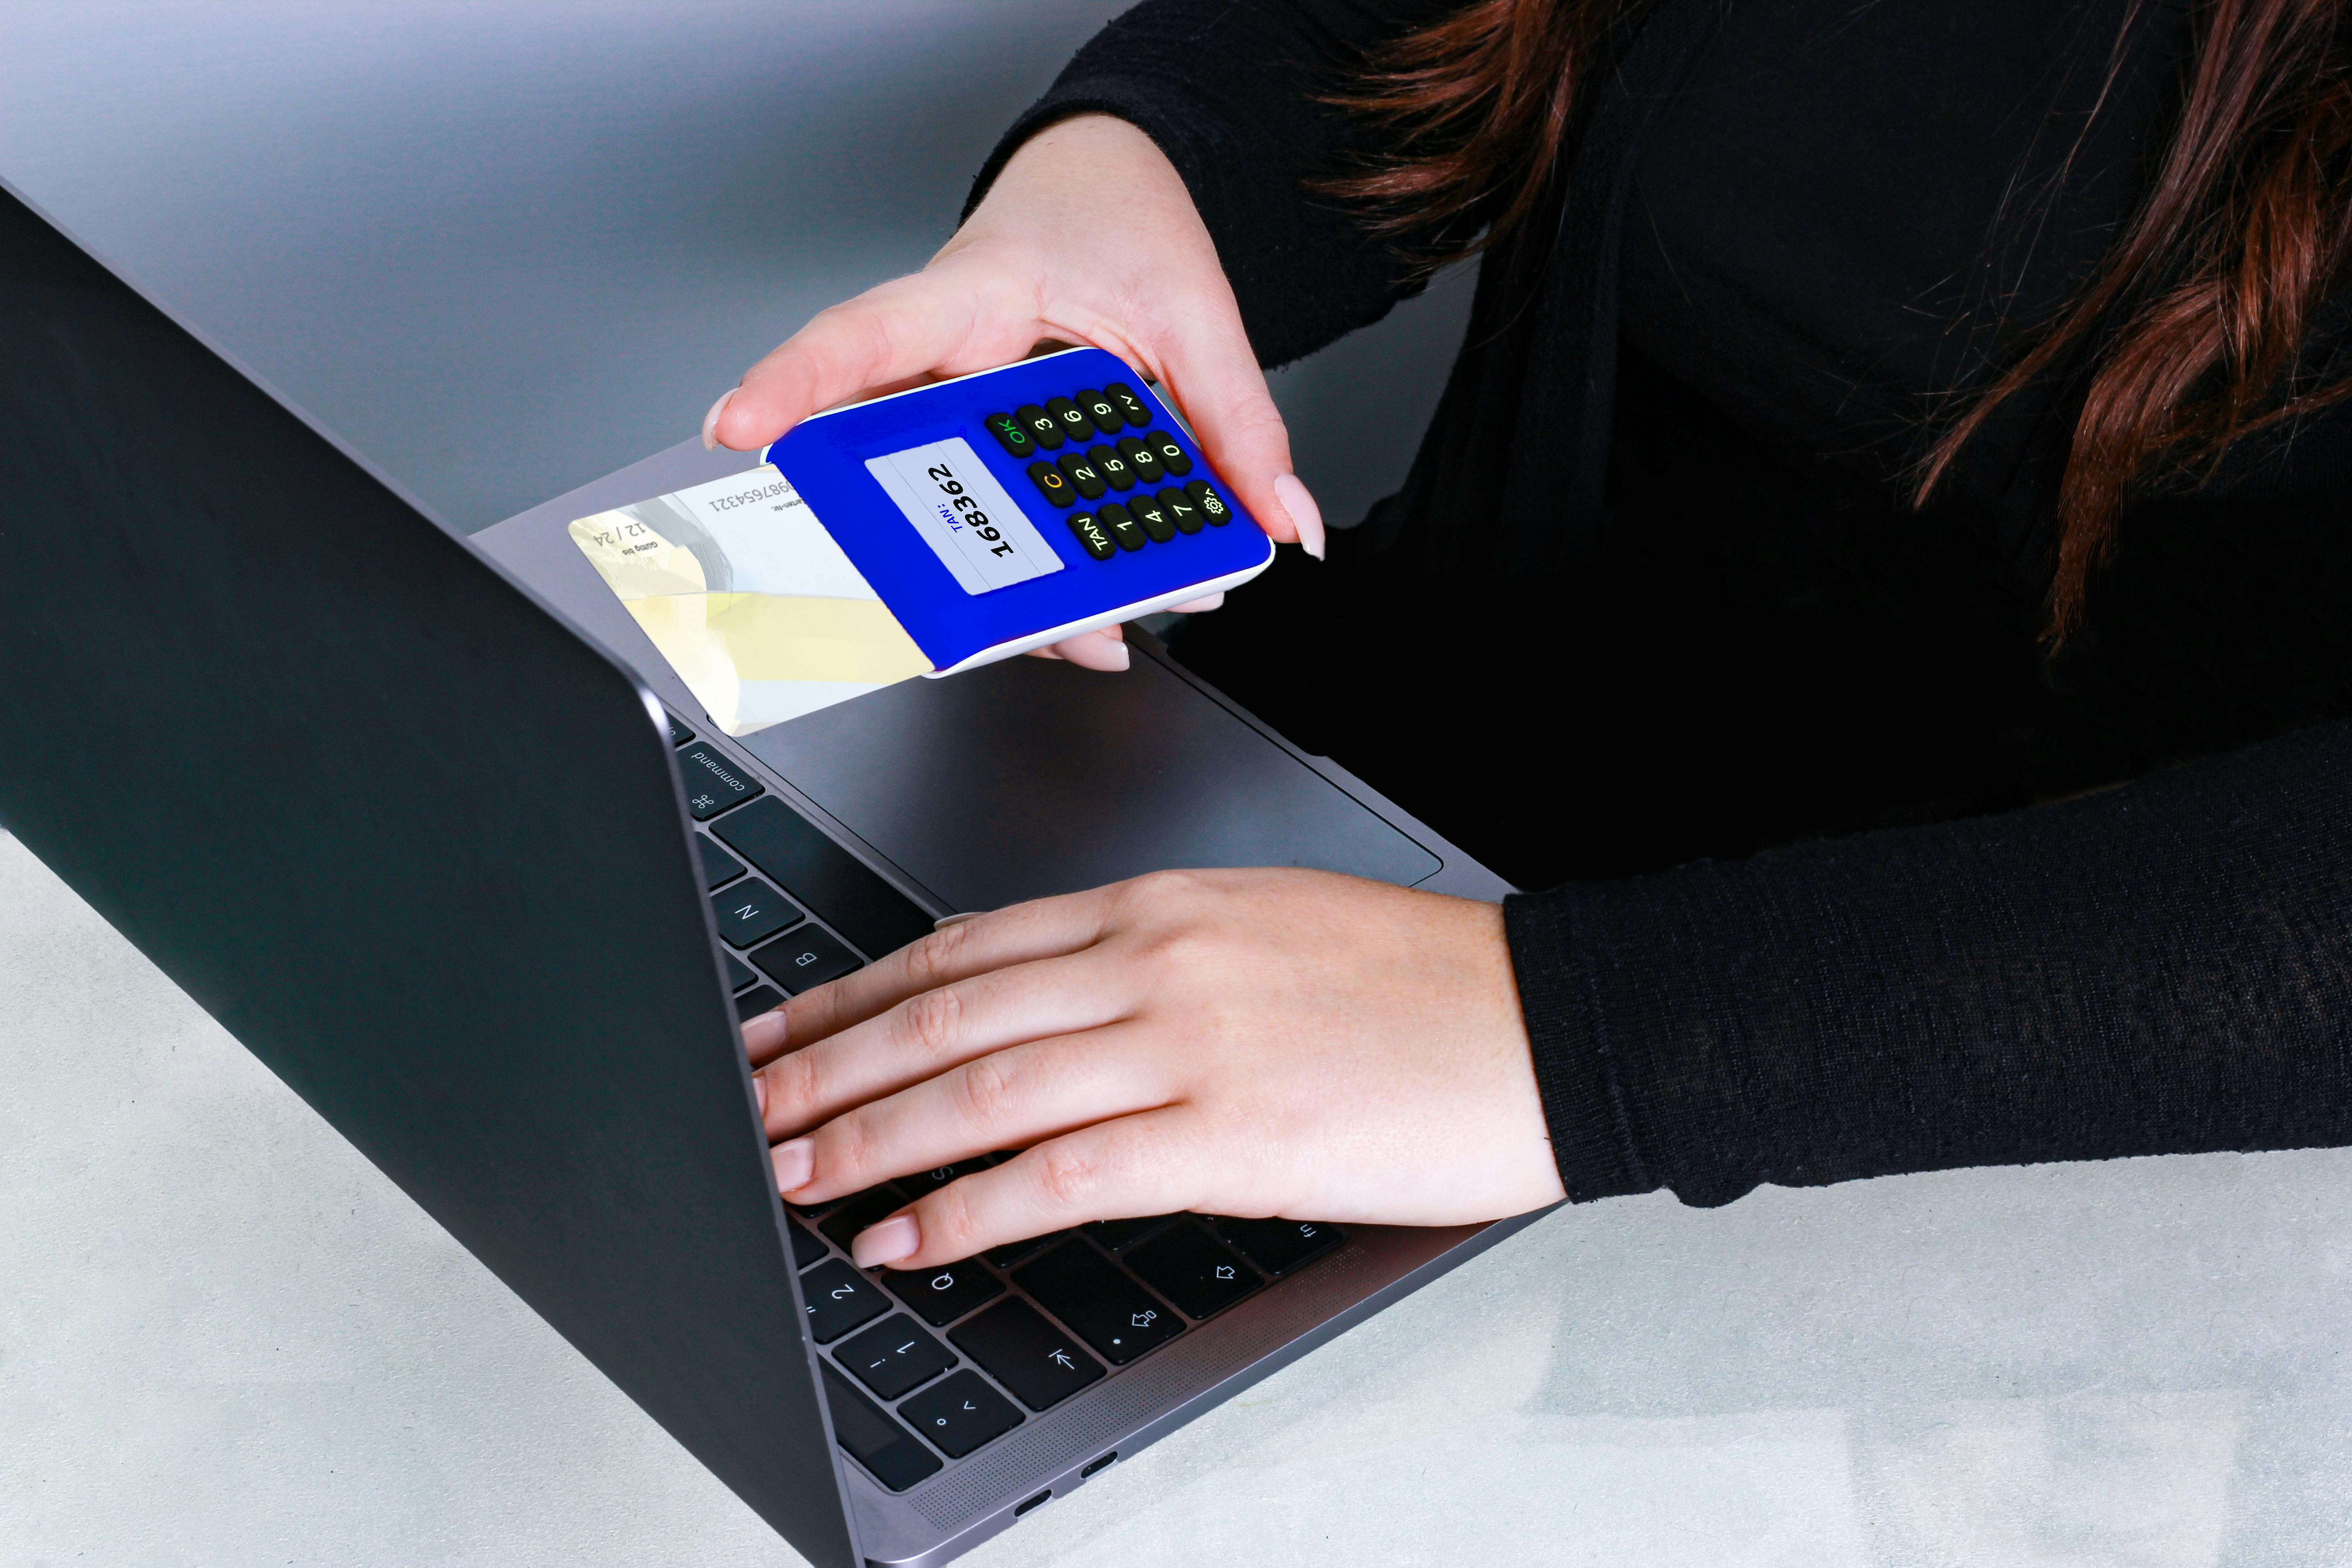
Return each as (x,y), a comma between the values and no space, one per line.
(1252,1043)
(1035,262)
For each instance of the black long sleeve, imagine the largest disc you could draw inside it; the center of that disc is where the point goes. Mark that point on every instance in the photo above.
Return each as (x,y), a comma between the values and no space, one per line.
(1233,91)
(2164,967)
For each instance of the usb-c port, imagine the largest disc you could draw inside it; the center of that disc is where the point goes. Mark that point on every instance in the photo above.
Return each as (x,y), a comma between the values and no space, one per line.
(1033,1502)
(1102,1463)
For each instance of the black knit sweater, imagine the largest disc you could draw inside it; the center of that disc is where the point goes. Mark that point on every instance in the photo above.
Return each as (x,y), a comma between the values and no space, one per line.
(1854,877)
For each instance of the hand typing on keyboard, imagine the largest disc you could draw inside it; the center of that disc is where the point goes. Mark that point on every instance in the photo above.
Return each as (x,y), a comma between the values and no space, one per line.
(1036,262)
(1252,1043)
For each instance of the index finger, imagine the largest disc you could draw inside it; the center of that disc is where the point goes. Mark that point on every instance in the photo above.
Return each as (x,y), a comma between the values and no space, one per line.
(1022,933)
(946,319)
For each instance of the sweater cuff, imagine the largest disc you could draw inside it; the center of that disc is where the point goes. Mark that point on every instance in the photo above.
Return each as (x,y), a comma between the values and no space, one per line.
(1582,1108)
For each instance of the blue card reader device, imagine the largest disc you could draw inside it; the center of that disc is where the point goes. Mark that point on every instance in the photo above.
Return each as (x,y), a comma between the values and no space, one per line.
(1003,510)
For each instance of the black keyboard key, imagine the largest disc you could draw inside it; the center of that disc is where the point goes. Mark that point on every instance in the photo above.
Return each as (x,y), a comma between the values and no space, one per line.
(960,1413)
(1040,1364)
(1279,1245)
(1213,505)
(1074,424)
(823,876)
(839,1298)
(859,1210)
(946,1293)
(1121,525)
(1043,427)
(1091,534)
(806,1248)
(1118,1235)
(1188,1266)
(1171,455)
(1143,460)
(713,783)
(1186,516)
(1010,435)
(1051,484)
(867,1435)
(1112,467)
(925,1181)
(1103,412)
(894,1356)
(805,960)
(1012,1252)
(1133,409)
(1080,472)
(678,733)
(1109,1310)
(739,973)
(752,911)
(719,867)
(752,1004)
(1154,518)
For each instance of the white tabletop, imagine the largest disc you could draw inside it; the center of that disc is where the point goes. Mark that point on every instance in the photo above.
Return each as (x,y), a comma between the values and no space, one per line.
(225,1339)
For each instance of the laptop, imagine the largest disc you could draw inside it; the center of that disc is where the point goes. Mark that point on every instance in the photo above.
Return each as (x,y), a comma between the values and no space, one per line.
(428,825)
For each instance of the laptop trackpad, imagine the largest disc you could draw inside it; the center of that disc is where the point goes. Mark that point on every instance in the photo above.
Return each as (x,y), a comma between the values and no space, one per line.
(1031,777)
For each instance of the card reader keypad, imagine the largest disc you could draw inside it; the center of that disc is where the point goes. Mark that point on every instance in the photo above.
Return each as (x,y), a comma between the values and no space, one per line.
(1102,457)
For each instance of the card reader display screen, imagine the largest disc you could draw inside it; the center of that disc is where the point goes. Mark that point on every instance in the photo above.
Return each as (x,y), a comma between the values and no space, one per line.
(964,515)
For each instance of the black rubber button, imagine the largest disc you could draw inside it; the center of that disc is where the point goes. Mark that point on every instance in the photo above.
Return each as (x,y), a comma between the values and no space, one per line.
(873,1439)
(751,911)
(960,1413)
(1187,517)
(1213,505)
(1075,425)
(752,1004)
(1279,1245)
(1111,1312)
(1027,1354)
(712,782)
(1103,412)
(1121,525)
(839,1298)
(1050,480)
(1113,467)
(1171,455)
(1043,427)
(1190,1269)
(894,1356)
(946,1293)
(1081,474)
(1143,459)
(719,867)
(805,960)
(1133,409)
(1154,518)
(1090,534)
(1010,435)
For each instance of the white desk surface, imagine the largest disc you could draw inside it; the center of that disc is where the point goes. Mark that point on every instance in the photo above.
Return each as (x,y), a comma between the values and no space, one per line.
(225,1339)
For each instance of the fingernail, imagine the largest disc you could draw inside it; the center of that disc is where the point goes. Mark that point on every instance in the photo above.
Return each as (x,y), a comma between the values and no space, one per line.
(893,1238)
(764,1032)
(796,1162)
(759,1093)
(1303,511)
(710,420)
(1091,652)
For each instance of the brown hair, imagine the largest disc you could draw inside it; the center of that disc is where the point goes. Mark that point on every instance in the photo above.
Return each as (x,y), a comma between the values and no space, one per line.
(2193,323)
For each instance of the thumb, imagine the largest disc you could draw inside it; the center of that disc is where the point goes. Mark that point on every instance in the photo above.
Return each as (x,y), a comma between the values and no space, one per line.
(1217,381)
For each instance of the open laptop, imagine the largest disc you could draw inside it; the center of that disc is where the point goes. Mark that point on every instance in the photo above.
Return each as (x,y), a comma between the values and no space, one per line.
(432,830)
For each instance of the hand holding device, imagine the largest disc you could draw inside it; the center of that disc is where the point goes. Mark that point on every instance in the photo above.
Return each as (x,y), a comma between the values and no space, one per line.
(1035,262)
(1253,1043)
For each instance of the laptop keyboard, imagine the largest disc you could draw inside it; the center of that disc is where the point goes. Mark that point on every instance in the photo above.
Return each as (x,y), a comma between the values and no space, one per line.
(926,1367)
